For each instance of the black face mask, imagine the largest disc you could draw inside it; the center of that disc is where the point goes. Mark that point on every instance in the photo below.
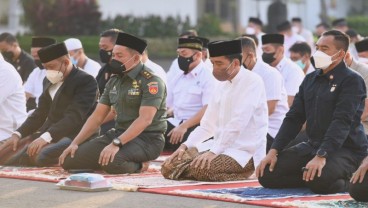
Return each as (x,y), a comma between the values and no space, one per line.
(268,57)
(184,63)
(8,55)
(105,56)
(116,67)
(39,64)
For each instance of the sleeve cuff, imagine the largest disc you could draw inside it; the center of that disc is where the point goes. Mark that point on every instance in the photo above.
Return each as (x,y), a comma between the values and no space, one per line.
(18,134)
(46,136)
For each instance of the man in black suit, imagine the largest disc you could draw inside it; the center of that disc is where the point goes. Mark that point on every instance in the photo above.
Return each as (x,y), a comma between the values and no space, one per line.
(68,99)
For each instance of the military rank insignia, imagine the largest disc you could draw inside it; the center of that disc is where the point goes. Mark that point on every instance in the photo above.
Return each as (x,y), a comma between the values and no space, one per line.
(153,88)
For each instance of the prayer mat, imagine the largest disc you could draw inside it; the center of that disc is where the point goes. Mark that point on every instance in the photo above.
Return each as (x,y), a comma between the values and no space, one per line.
(250,192)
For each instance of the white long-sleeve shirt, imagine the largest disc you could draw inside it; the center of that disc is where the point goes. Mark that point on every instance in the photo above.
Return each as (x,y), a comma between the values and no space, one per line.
(237,118)
(292,74)
(12,100)
(34,84)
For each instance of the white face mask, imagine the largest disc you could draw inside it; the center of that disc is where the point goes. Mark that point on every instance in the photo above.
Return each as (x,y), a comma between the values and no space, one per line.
(322,60)
(54,76)
(250,31)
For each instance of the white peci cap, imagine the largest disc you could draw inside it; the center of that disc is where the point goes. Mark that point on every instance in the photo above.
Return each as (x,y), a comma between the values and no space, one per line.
(73,44)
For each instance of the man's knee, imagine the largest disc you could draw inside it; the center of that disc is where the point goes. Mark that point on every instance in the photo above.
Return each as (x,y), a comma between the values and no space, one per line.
(121,167)
(69,163)
(324,185)
(358,192)
(268,179)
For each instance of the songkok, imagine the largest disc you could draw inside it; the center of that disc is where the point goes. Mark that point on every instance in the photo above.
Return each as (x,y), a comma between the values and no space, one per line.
(272,38)
(204,41)
(362,46)
(296,19)
(52,52)
(224,48)
(284,26)
(73,44)
(339,22)
(192,43)
(256,21)
(131,41)
(40,42)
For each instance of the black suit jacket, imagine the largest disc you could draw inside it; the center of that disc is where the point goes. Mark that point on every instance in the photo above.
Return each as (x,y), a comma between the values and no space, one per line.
(65,115)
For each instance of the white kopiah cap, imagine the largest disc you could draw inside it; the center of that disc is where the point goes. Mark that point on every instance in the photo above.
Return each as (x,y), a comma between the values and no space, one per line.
(73,44)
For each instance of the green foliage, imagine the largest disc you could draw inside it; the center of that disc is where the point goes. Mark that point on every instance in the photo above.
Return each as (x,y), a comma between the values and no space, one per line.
(209,25)
(359,23)
(62,17)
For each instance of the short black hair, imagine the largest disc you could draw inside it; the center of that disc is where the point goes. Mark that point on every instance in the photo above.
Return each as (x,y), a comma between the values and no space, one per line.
(111,33)
(341,39)
(302,48)
(238,56)
(248,43)
(252,37)
(8,38)
(324,24)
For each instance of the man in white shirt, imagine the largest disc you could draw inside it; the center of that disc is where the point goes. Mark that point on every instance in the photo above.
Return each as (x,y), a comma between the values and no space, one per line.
(68,98)
(236,117)
(274,85)
(255,28)
(290,37)
(156,69)
(12,100)
(80,59)
(273,54)
(297,27)
(205,58)
(188,93)
(34,84)
(301,54)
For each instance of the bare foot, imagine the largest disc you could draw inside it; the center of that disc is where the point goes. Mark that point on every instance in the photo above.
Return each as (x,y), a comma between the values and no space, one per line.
(145,166)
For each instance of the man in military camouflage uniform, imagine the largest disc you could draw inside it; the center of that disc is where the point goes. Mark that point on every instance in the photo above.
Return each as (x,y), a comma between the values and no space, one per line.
(138,97)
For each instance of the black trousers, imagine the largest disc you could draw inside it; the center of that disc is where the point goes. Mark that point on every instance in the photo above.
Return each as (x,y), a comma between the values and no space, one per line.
(288,173)
(173,147)
(145,147)
(359,191)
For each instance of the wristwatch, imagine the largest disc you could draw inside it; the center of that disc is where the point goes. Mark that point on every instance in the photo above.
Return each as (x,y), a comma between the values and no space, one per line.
(321,153)
(117,142)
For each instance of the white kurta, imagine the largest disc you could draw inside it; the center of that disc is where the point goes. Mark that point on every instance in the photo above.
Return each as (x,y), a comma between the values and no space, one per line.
(187,94)
(292,74)
(236,117)
(156,69)
(12,100)
(34,84)
(275,90)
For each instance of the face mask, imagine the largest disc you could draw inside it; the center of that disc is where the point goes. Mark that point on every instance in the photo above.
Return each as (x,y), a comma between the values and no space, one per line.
(55,76)
(245,60)
(322,60)
(118,67)
(184,63)
(222,75)
(268,57)
(250,31)
(39,64)
(105,56)
(74,61)
(8,55)
(295,29)
(300,64)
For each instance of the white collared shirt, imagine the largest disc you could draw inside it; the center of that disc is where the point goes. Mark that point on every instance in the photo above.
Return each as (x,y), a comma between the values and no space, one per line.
(92,67)
(12,100)
(275,90)
(292,74)
(187,94)
(156,69)
(310,69)
(34,84)
(291,40)
(236,117)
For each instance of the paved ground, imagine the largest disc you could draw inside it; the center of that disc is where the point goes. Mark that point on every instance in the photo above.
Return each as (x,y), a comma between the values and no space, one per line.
(30,194)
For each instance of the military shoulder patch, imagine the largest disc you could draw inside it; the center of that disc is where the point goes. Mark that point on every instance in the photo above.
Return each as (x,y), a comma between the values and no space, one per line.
(153,88)
(146,74)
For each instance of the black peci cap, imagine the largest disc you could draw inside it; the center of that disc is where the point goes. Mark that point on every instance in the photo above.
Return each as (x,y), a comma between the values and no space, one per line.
(131,41)
(52,52)
(224,48)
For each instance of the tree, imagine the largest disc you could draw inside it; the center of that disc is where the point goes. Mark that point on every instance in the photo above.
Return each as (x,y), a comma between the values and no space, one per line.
(209,25)
(62,17)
